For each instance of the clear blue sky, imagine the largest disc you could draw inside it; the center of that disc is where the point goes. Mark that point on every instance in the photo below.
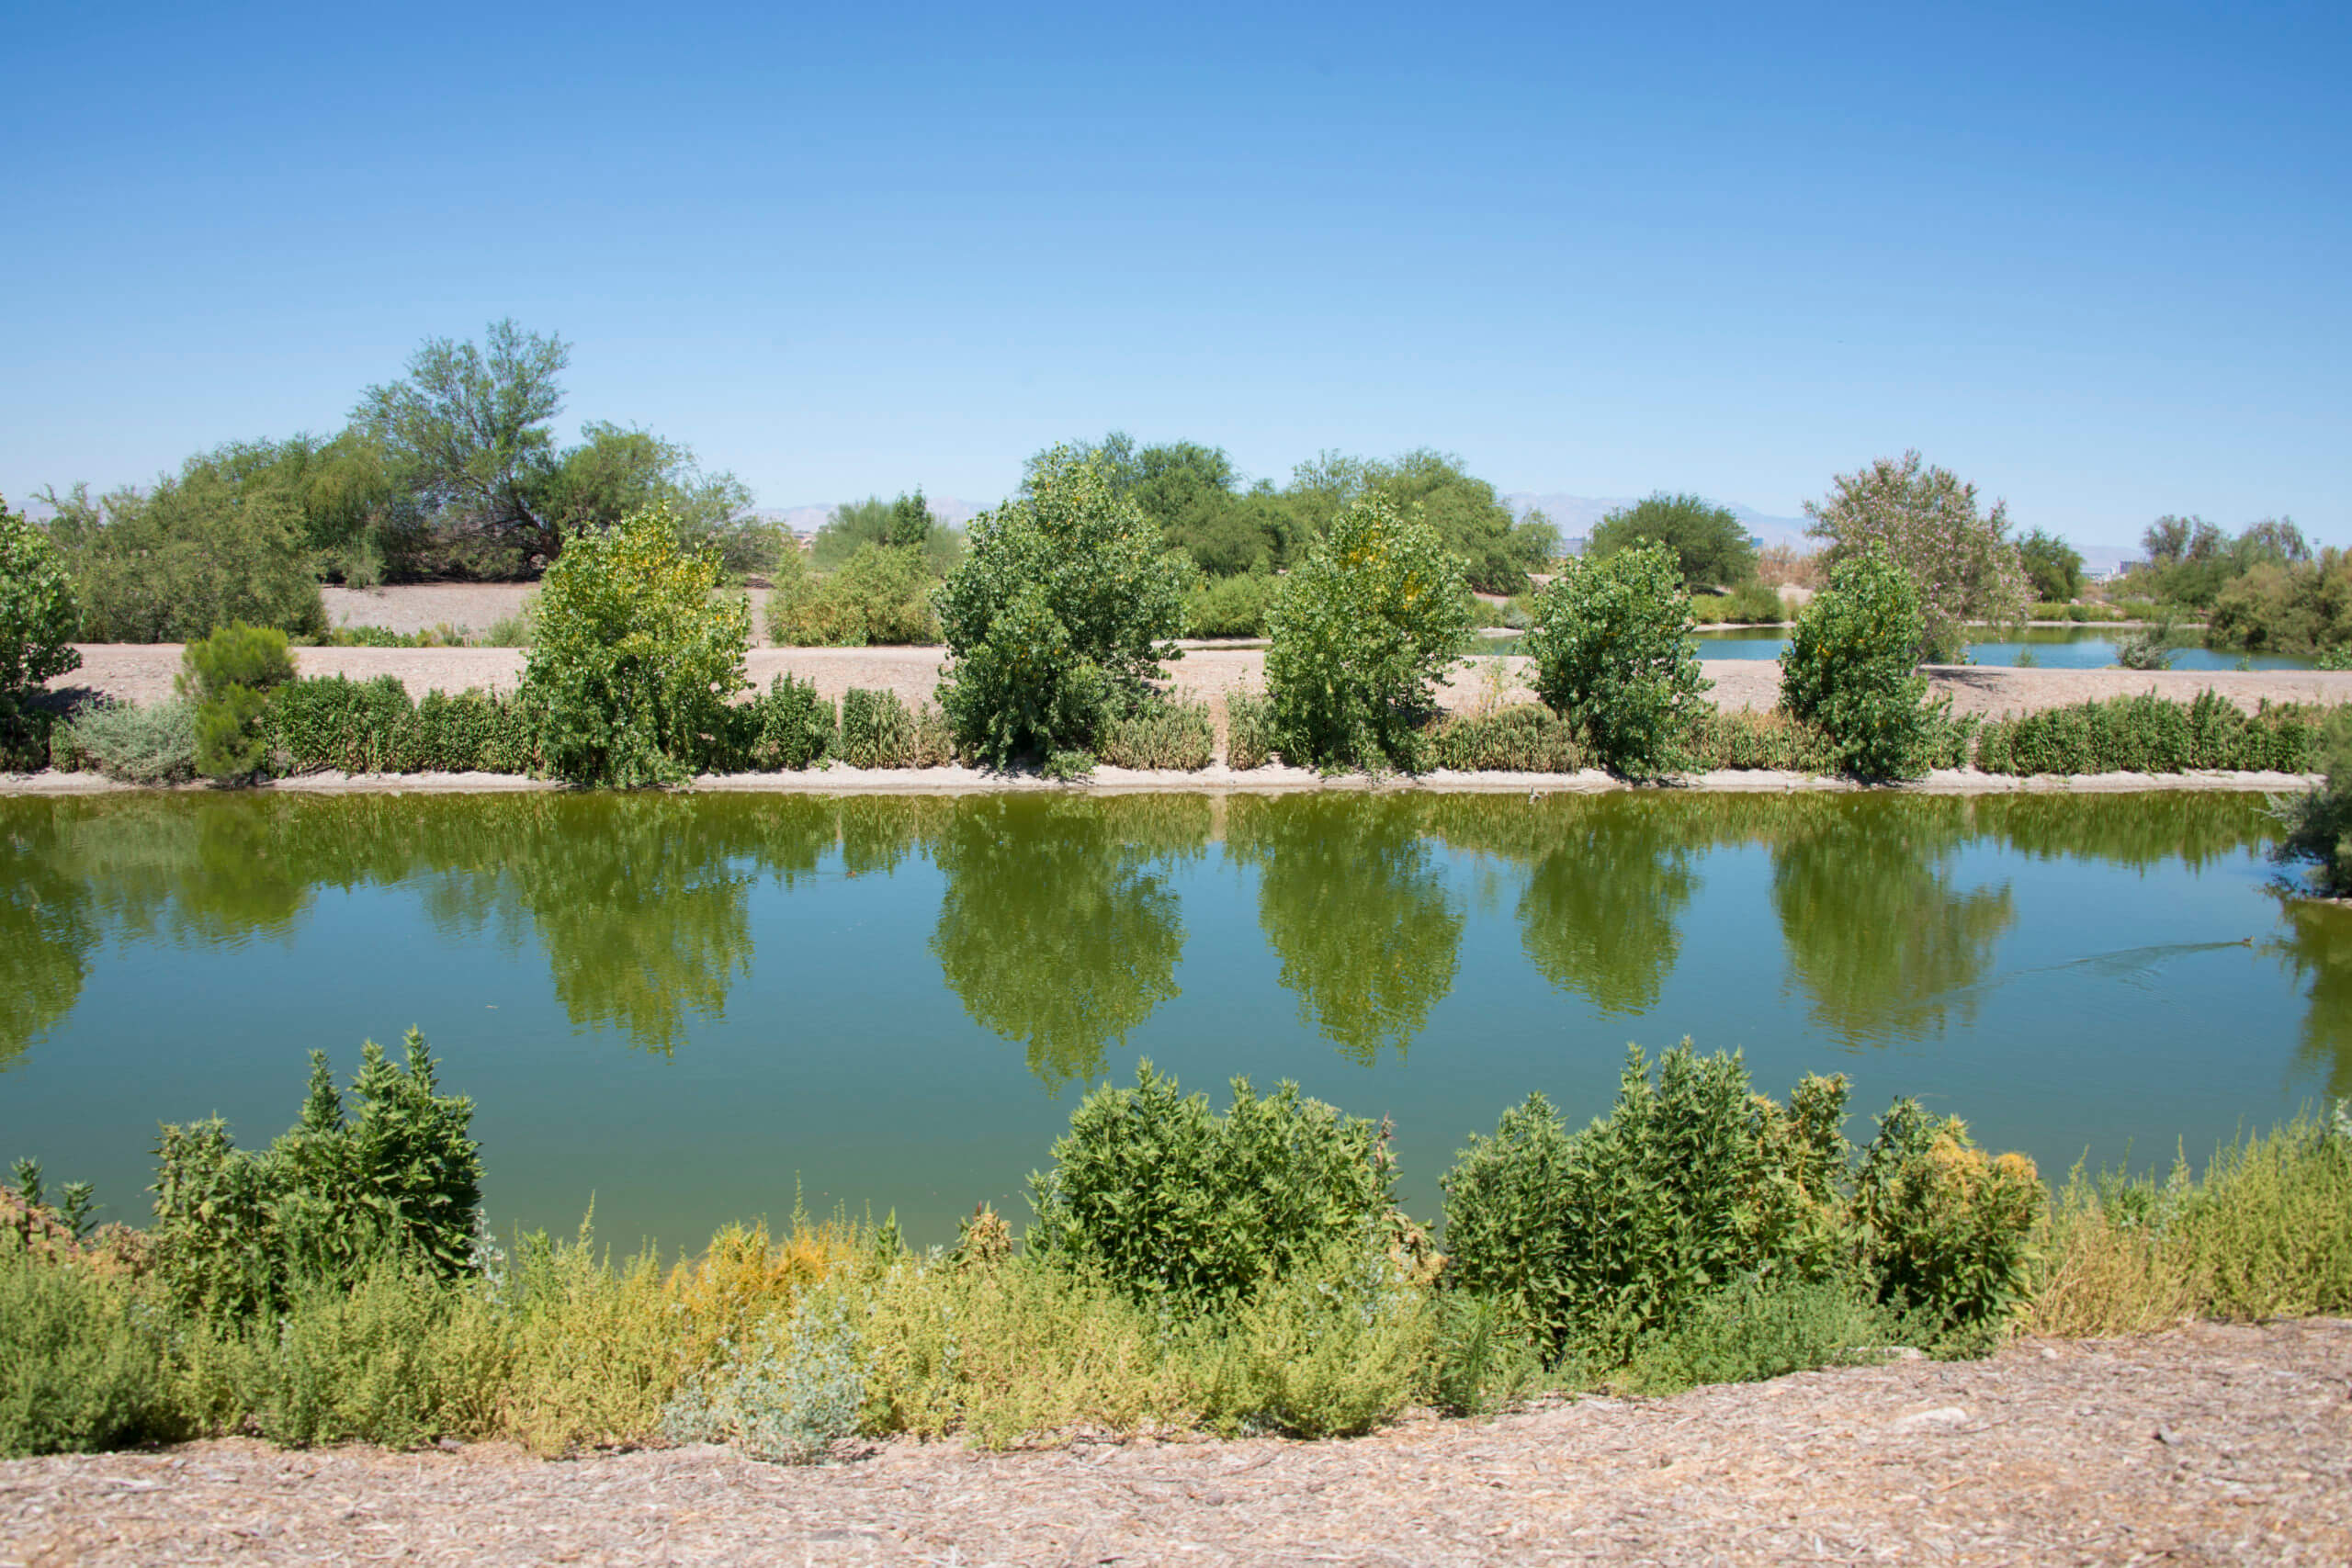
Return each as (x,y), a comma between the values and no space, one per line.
(2094,259)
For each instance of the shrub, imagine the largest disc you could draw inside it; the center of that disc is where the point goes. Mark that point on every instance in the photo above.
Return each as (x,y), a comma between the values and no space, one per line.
(1948,1228)
(1249,730)
(1761,1327)
(1525,737)
(229,676)
(192,555)
(1961,566)
(1164,733)
(2317,824)
(1848,669)
(1686,1184)
(786,1395)
(1230,607)
(786,726)
(1736,739)
(236,1232)
(2149,733)
(879,731)
(80,1365)
(1360,632)
(1182,1207)
(2147,647)
(136,745)
(37,616)
(636,654)
(880,595)
(1755,603)
(1057,620)
(1708,543)
(364,726)
(1330,1346)
(1613,657)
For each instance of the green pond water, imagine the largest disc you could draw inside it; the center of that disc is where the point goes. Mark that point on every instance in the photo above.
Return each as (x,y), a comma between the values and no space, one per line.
(688,1008)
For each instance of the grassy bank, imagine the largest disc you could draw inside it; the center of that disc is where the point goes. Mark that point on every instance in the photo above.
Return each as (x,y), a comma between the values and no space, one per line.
(1187,1271)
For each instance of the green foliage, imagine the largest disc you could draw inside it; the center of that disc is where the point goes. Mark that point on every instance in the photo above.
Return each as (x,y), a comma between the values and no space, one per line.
(1179,1206)
(1686,1184)
(2316,826)
(1761,1327)
(236,1233)
(880,731)
(370,727)
(1948,1229)
(1058,619)
(1524,738)
(154,745)
(2054,568)
(37,617)
(193,554)
(2287,608)
(1330,1346)
(1848,669)
(1360,633)
(79,1369)
(1164,733)
(1230,607)
(1249,730)
(1709,543)
(1613,657)
(905,523)
(1963,567)
(229,677)
(1475,525)
(2148,734)
(786,728)
(879,594)
(2191,562)
(638,654)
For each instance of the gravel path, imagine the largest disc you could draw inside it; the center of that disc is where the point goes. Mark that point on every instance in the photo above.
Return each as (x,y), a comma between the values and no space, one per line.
(2206,1445)
(143,672)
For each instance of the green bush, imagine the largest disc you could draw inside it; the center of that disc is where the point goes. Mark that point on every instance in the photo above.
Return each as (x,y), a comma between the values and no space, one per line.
(1755,603)
(1180,1206)
(1849,669)
(1249,730)
(1330,1346)
(1594,1239)
(229,676)
(1360,633)
(1059,618)
(370,727)
(1947,1228)
(788,727)
(2316,826)
(1613,657)
(1709,543)
(2148,734)
(336,1194)
(80,1365)
(192,555)
(1229,607)
(1164,733)
(881,594)
(37,616)
(152,745)
(636,655)
(1759,1327)
(1524,738)
(1738,740)
(880,731)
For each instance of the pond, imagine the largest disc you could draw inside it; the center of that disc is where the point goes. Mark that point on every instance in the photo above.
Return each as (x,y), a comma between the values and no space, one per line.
(691,1008)
(2053,648)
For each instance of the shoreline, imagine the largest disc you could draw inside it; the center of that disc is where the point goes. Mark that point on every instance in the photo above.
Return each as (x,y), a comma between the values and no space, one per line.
(1218,779)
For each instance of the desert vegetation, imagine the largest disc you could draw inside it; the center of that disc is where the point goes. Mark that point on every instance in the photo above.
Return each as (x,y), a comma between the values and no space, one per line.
(1187,1268)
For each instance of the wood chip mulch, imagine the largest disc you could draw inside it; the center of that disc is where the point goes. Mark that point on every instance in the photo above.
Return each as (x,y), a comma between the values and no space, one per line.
(2208,1444)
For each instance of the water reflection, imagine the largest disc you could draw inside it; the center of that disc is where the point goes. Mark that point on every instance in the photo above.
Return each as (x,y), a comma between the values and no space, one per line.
(1057,928)
(1876,927)
(1352,901)
(2317,946)
(46,935)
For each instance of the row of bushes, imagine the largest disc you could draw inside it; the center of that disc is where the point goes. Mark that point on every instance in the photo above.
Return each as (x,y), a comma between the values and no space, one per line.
(1242,1271)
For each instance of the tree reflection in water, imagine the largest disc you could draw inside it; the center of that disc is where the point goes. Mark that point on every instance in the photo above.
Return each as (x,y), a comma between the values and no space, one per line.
(1058,929)
(46,933)
(2317,946)
(1353,902)
(1876,928)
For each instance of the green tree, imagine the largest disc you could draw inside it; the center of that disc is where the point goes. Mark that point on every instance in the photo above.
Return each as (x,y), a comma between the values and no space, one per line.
(1360,633)
(1710,542)
(362,525)
(1059,616)
(1497,550)
(37,615)
(1851,668)
(636,654)
(229,676)
(1614,657)
(904,524)
(192,554)
(1962,564)
(2053,568)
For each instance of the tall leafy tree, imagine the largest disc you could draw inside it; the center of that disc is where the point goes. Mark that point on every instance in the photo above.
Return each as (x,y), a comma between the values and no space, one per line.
(1710,542)
(1962,562)
(2053,568)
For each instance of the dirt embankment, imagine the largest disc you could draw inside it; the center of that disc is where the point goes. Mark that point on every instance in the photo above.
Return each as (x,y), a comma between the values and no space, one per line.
(2206,1445)
(136,672)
